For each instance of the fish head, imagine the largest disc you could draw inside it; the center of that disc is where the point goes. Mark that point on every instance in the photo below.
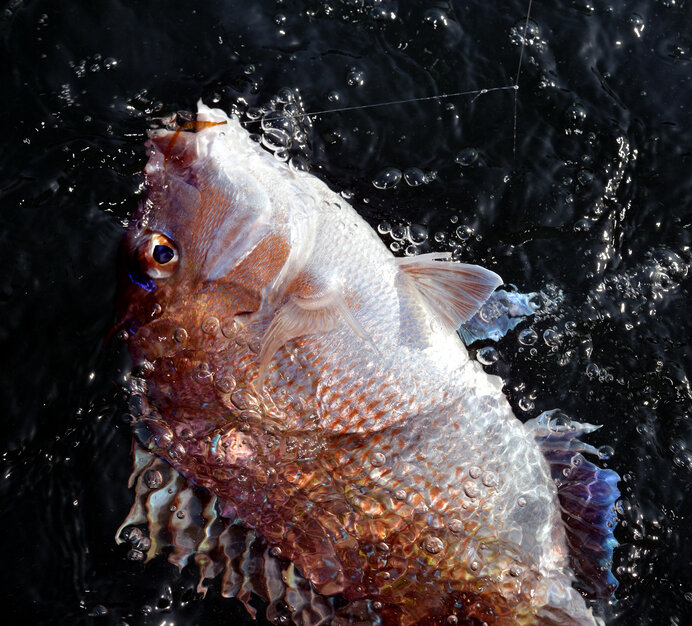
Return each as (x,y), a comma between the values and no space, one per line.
(213,239)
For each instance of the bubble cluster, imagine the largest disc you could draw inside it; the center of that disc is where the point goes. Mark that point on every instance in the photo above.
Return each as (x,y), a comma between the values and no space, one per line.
(406,238)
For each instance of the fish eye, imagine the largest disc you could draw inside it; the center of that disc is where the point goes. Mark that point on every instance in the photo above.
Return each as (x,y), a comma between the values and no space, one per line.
(163,254)
(157,256)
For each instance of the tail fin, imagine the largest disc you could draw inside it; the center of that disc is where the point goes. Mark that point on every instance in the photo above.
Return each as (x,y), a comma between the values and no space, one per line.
(587,496)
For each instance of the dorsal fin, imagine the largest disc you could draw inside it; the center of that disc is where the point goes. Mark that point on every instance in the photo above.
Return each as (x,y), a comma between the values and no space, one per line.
(587,495)
(454,291)
(301,316)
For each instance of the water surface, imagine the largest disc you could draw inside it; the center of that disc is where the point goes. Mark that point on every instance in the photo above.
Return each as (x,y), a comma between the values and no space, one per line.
(579,189)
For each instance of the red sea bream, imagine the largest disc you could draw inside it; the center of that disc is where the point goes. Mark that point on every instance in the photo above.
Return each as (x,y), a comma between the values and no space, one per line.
(310,425)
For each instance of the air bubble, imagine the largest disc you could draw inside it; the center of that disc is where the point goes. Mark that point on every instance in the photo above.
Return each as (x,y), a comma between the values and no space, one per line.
(637,23)
(144,370)
(487,355)
(299,164)
(226,384)
(470,489)
(138,405)
(526,404)
(489,479)
(559,422)
(176,451)
(417,234)
(528,337)
(437,18)
(474,472)
(388,178)
(456,526)
(135,555)
(210,325)
(132,534)
(377,459)
(180,335)
(552,338)
(384,227)
(466,157)
(585,177)
(605,452)
(153,479)
(525,32)
(474,566)
(355,78)
(463,233)
(277,131)
(202,375)
(592,370)
(521,502)
(98,611)
(399,232)
(576,114)
(433,545)
(414,177)
(683,460)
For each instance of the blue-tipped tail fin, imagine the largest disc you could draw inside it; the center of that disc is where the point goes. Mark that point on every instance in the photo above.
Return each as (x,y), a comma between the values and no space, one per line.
(587,496)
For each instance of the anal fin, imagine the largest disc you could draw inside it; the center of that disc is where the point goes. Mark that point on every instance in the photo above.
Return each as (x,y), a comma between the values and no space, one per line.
(454,291)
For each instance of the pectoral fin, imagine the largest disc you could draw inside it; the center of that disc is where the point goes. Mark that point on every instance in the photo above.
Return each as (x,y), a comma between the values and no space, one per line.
(454,291)
(301,316)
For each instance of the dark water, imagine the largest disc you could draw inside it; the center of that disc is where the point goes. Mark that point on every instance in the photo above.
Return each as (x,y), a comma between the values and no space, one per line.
(588,203)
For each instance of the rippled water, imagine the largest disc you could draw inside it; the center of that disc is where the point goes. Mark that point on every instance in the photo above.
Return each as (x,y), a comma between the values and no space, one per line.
(579,189)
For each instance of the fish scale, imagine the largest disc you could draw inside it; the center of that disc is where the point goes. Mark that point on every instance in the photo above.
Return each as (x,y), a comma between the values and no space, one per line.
(316,386)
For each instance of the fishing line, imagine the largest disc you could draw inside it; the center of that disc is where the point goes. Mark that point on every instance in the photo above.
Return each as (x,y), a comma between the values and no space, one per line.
(516,80)
(476,92)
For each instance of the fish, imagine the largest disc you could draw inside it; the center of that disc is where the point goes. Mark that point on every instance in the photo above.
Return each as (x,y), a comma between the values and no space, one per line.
(309,424)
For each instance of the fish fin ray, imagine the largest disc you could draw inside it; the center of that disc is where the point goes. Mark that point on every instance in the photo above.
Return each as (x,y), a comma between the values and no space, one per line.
(301,316)
(587,495)
(454,291)
(221,547)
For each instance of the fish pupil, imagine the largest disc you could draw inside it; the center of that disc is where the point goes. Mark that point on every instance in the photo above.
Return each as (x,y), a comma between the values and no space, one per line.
(163,254)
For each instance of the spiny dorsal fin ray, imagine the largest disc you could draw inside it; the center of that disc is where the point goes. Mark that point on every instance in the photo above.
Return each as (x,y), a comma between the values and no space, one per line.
(454,291)
(306,316)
